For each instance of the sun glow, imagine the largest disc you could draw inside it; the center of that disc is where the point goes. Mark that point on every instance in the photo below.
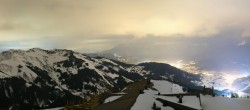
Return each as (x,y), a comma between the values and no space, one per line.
(230,78)
(178,64)
(243,94)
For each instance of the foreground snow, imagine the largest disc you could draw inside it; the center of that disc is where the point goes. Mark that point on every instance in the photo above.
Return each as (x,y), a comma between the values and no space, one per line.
(165,87)
(145,101)
(224,103)
(112,98)
(190,101)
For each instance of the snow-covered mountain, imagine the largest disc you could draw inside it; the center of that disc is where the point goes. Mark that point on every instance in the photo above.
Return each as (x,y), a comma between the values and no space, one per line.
(39,78)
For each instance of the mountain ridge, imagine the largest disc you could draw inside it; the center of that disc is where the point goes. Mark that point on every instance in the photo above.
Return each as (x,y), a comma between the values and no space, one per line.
(64,75)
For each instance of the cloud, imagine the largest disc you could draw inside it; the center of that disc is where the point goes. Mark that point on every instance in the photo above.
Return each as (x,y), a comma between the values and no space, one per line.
(204,31)
(209,53)
(77,43)
(242,43)
(121,17)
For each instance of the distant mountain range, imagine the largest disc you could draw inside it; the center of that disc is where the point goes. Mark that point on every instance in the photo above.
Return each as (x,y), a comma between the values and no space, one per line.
(39,78)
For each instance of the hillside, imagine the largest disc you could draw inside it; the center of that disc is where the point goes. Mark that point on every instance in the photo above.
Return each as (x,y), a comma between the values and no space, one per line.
(39,78)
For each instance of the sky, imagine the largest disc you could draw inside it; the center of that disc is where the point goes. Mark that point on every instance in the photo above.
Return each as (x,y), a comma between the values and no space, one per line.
(213,33)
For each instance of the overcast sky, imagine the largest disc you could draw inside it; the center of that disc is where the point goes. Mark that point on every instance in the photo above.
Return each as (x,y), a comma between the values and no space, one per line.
(213,32)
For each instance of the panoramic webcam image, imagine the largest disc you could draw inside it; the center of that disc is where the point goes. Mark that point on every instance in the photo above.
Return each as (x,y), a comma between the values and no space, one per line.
(124,55)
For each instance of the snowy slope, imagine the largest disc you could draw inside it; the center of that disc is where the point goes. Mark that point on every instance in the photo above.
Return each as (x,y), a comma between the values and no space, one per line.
(145,101)
(60,74)
(224,103)
(51,78)
(166,87)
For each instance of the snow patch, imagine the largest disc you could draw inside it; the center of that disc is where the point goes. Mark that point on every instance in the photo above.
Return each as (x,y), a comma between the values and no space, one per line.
(112,98)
